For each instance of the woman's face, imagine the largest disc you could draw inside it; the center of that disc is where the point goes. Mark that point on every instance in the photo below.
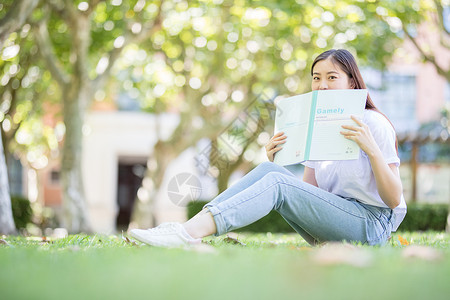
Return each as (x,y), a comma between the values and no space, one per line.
(329,76)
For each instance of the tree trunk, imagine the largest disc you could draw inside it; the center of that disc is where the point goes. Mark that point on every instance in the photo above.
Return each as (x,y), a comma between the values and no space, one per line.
(77,94)
(75,217)
(7,225)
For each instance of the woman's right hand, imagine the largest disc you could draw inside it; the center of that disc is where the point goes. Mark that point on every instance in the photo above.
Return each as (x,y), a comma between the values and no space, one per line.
(271,147)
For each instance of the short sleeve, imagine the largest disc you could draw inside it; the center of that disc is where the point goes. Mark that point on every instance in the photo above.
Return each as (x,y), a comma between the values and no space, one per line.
(384,135)
(309,164)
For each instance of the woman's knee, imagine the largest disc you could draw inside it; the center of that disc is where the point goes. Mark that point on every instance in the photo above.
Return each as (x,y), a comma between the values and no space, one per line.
(273,178)
(270,166)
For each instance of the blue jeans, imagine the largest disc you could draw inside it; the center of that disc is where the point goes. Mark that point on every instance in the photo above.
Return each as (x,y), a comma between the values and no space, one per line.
(317,215)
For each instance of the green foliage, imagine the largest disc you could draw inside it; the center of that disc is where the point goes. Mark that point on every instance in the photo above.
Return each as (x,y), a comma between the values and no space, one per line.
(419,217)
(26,90)
(248,47)
(425,217)
(22,211)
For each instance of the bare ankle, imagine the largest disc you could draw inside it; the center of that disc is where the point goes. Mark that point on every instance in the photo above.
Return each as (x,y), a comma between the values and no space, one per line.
(200,225)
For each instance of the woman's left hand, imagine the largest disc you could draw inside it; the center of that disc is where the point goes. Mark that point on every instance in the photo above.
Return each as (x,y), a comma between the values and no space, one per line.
(361,135)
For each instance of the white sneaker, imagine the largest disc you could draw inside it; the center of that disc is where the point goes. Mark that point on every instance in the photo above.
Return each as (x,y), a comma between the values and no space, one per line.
(168,234)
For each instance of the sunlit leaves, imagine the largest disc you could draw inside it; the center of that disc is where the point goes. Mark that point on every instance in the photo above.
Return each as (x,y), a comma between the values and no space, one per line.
(172,50)
(259,17)
(10,52)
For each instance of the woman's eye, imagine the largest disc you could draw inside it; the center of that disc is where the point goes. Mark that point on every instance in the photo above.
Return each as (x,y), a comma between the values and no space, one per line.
(316,78)
(332,77)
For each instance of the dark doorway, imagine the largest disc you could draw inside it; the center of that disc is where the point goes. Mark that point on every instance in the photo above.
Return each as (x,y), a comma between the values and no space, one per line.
(130,177)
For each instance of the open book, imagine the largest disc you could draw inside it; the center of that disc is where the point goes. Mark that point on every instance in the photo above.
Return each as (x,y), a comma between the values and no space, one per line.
(312,124)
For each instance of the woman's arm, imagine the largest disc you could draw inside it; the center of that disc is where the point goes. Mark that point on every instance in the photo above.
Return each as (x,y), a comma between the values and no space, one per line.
(388,181)
(309,176)
(386,175)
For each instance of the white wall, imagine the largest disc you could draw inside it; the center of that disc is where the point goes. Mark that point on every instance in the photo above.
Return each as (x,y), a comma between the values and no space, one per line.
(107,137)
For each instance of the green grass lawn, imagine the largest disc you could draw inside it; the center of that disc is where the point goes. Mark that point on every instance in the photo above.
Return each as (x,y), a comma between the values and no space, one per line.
(264,266)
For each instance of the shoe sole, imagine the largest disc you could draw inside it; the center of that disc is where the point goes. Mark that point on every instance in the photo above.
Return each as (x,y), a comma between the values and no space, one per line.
(144,240)
(153,243)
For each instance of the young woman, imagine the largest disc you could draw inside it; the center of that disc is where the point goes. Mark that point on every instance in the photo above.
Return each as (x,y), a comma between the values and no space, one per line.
(354,200)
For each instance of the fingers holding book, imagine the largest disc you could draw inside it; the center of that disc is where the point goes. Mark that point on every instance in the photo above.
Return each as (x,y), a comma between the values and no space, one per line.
(271,146)
(361,135)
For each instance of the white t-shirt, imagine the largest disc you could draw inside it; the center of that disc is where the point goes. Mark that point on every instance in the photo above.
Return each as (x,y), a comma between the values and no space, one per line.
(354,178)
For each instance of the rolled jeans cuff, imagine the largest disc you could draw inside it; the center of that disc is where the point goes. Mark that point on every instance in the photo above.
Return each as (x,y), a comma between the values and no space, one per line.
(218,219)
